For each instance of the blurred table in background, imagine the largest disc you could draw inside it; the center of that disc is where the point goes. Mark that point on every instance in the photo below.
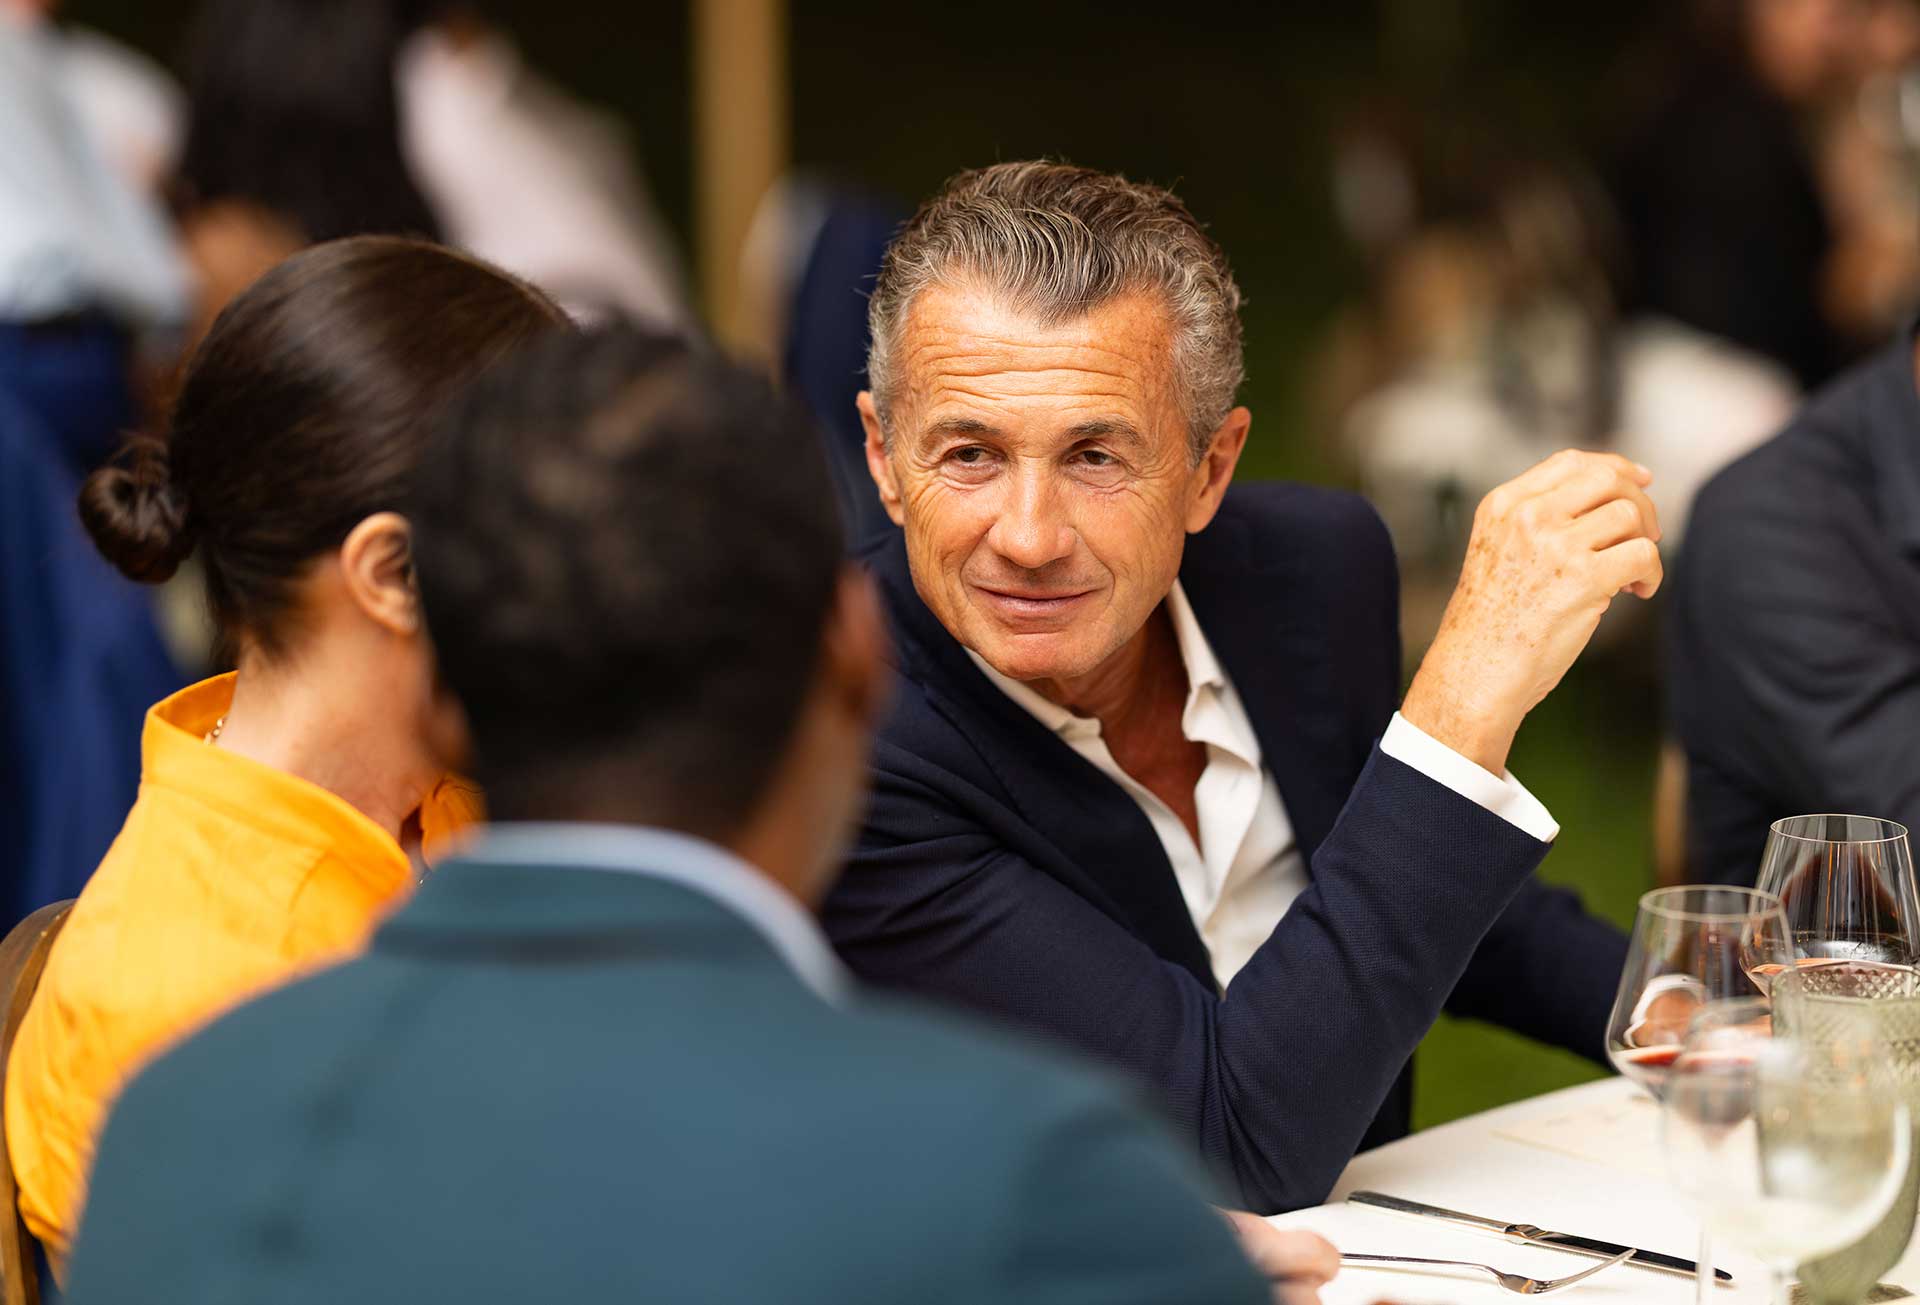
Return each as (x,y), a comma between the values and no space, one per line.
(1585,1160)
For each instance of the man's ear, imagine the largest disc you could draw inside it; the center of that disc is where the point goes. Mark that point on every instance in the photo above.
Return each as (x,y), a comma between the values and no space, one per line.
(1215,472)
(376,562)
(854,647)
(879,465)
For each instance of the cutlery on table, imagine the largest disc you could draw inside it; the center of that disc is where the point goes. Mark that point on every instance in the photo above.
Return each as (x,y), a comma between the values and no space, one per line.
(1517,1283)
(1529,1235)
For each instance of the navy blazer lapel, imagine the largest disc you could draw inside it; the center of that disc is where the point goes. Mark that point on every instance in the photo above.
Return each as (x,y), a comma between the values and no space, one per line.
(1107,849)
(1259,617)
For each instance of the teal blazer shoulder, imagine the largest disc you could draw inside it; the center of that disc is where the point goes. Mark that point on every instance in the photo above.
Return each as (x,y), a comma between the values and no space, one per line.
(581,1085)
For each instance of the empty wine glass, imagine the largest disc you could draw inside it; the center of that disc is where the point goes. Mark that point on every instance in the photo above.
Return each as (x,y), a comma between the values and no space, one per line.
(1789,1148)
(1691,945)
(1846,884)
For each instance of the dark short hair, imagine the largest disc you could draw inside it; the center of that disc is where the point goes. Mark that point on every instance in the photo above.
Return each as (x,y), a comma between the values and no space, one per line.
(301,414)
(627,551)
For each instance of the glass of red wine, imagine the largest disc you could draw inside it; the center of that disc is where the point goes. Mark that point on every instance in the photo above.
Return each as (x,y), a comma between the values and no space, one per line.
(1846,884)
(1691,945)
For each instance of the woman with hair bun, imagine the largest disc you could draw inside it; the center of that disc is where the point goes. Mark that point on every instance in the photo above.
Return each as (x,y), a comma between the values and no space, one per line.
(283,808)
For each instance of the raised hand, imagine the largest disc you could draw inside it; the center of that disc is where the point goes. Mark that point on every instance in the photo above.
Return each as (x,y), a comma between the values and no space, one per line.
(1550,550)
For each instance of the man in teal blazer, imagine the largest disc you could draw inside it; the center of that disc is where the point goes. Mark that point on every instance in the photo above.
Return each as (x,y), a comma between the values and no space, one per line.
(606,1054)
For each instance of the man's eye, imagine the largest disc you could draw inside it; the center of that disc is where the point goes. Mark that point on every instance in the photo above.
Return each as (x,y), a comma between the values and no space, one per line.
(1097,458)
(971,456)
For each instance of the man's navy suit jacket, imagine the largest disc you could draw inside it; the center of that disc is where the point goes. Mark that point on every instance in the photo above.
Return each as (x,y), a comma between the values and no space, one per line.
(999,869)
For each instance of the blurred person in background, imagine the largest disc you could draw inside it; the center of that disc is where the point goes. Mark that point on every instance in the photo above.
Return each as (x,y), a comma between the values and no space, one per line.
(526,176)
(130,105)
(292,137)
(1795,658)
(1727,228)
(87,264)
(558,1070)
(813,251)
(284,808)
(91,290)
(1490,335)
(1869,163)
(1144,788)
(310,120)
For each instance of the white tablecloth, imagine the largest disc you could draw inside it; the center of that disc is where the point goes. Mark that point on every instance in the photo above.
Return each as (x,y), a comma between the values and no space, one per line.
(1581,1161)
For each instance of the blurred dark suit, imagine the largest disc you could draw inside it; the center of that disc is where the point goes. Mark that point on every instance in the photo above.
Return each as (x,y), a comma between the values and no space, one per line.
(81,657)
(1795,653)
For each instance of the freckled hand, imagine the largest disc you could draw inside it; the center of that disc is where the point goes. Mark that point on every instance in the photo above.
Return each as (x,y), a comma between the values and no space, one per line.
(1550,550)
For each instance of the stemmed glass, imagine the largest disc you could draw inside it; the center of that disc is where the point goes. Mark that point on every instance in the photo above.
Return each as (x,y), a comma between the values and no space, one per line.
(1790,1148)
(1846,884)
(1691,945)
(1854,1000)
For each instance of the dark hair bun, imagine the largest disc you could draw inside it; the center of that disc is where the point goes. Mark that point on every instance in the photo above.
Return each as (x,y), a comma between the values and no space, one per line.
(138,518)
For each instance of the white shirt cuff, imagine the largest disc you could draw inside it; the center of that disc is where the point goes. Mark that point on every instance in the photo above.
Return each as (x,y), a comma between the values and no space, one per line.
(1503,795)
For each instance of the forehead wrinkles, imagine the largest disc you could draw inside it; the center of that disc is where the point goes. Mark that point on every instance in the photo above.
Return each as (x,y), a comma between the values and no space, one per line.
(1118,350)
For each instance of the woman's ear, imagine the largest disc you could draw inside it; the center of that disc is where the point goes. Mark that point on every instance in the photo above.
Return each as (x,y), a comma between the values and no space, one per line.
(376,562)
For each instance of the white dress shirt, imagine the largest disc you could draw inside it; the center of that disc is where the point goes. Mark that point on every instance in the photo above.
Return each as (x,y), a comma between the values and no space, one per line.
(1246,869)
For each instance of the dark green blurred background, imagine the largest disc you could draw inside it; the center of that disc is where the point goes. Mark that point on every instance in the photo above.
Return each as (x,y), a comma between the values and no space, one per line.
(1234,106)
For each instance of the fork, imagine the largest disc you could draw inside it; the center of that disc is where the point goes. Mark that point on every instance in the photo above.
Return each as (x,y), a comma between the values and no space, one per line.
(1513,1282)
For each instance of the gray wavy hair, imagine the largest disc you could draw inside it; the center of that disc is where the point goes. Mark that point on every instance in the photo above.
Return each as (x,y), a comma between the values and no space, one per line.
(1057,241)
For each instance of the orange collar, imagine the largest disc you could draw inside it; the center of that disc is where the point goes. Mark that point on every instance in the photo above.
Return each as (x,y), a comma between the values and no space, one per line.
(176,756)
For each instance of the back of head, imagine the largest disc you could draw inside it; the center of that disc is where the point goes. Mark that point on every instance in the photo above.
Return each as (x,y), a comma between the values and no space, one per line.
(303,412)
(1057,240)
(292,107)
(628,557)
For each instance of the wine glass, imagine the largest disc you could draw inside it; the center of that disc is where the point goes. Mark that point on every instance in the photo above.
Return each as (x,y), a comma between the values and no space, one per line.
(1691,945)
(1790,1148)
(1852,1000)
(1846,884)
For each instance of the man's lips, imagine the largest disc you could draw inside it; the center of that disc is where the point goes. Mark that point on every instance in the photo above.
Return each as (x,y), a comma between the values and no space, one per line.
(1017,603)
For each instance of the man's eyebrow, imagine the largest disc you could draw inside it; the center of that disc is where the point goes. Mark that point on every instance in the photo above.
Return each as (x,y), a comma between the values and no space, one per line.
(947,427)
(1108,428)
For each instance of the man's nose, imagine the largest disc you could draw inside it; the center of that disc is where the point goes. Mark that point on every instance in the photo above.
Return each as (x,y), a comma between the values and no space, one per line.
(1032,529)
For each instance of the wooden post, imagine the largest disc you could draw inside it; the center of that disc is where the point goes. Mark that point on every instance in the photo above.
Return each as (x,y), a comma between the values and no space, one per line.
(741,146)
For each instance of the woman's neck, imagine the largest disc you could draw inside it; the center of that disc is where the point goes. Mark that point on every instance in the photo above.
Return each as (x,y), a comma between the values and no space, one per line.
(317,725)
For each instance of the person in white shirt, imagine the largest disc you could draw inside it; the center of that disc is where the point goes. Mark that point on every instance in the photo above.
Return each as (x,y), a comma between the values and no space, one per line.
(524,175)
(132,107)
(75,239)
(1144,787)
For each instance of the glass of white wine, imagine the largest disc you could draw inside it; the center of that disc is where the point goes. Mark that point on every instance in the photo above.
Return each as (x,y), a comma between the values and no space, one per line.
(1789,1148)
(1850,1000)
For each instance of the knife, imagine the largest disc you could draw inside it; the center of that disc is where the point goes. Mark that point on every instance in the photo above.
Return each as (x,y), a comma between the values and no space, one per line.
(1532,1236)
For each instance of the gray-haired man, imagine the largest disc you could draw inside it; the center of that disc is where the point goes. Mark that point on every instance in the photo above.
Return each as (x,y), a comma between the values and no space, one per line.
(1144,786)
